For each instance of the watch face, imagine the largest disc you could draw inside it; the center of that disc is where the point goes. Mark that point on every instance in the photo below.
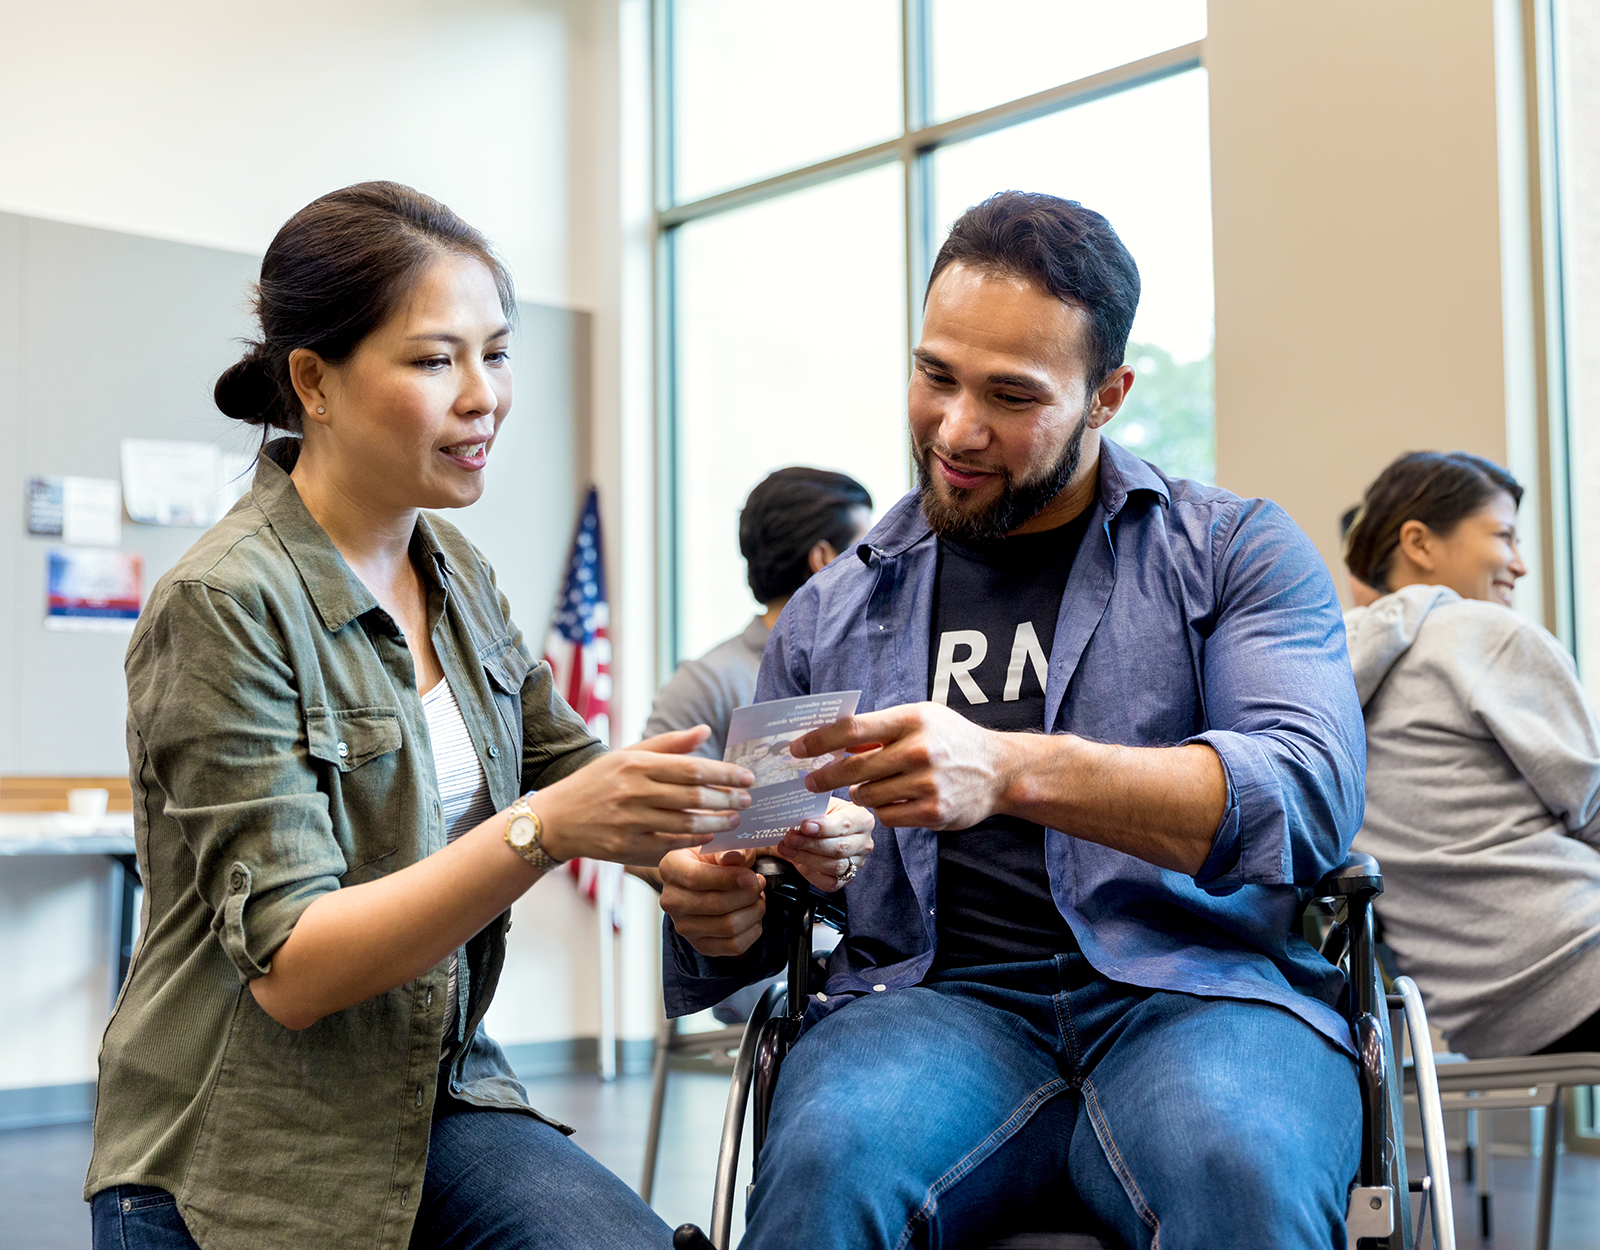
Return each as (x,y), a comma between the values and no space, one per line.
(521,831)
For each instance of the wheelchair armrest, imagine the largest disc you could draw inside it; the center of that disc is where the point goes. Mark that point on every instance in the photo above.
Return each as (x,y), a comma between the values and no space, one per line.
(1358,877)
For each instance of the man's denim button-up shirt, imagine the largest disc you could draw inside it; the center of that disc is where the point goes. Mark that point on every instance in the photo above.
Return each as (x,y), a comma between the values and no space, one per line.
(1191,615)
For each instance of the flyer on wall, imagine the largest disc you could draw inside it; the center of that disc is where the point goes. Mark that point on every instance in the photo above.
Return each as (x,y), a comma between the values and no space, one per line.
(758,739)
(93,589)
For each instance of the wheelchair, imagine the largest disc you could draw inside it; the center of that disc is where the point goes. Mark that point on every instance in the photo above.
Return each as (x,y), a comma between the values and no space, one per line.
(1338,917)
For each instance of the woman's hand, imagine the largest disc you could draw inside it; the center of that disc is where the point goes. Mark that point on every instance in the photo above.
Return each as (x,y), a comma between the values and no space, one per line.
(633,806)
(829,850)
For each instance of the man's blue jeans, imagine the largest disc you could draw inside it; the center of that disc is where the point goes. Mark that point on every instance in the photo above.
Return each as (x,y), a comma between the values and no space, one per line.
(994,1100)
(496,1180)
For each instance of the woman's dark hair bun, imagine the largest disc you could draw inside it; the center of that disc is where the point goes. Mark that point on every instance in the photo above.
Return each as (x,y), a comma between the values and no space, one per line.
(333,274)
(246,392)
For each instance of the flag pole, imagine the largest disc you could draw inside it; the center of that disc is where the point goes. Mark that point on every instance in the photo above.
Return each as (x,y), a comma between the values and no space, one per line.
(604,902)
(578,649)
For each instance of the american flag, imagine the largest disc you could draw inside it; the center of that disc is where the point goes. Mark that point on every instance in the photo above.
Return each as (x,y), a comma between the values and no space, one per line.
(578,650)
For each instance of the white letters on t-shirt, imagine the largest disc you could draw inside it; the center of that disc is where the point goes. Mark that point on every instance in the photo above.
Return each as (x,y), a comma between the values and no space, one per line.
(947,667)
(1024,647)
(1025,650)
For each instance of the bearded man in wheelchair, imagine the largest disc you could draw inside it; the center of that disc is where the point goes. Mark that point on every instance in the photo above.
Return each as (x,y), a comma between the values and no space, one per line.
(1111,740)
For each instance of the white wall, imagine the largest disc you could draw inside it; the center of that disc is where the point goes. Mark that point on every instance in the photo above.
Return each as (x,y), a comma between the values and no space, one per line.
(211,123)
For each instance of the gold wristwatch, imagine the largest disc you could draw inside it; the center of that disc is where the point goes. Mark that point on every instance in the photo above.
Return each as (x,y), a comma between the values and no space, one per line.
(525,835)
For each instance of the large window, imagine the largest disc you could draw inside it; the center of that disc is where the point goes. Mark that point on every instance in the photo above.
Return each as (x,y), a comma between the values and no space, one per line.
(809,162)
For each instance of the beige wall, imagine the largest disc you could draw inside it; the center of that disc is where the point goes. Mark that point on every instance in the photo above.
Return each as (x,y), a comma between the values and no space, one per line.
(1357,247)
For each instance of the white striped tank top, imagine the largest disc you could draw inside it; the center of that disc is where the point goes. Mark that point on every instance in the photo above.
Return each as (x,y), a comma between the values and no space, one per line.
(463,799)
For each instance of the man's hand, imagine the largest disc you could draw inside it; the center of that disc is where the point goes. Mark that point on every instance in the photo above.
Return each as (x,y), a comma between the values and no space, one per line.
(922,765)
(716,904)
(830,849)
(916,766)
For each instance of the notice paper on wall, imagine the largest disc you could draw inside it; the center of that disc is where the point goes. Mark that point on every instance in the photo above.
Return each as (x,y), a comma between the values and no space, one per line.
(83,511)
(177,483)
(758,739)
(91,588)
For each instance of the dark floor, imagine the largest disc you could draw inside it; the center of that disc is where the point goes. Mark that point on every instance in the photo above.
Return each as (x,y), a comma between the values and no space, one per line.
(41,1170)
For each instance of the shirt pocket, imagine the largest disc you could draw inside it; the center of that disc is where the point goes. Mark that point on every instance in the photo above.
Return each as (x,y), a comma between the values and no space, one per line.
(349,739)
(507,666)
(371,794)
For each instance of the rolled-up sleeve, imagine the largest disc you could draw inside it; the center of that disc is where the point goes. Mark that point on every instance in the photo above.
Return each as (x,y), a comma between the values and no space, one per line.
(1281,709)
(214,709)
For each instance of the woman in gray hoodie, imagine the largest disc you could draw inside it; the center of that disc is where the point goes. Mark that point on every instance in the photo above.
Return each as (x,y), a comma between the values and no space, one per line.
(1483,765)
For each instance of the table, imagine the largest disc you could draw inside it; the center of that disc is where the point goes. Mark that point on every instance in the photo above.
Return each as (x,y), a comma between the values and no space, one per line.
(111,835)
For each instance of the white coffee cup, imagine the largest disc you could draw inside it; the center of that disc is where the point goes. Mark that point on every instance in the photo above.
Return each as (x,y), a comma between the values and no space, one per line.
(88,802)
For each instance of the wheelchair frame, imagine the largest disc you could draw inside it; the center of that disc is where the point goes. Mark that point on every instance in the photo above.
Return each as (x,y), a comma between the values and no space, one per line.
(1374,1219)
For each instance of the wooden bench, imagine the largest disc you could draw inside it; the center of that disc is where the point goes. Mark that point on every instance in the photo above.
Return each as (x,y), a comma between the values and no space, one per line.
(49,794)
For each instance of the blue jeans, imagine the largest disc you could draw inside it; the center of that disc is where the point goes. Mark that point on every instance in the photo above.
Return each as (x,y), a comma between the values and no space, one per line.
(1037,1095)
(496,1180)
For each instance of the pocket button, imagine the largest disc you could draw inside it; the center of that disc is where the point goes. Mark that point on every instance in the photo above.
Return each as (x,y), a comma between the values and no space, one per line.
(344,750)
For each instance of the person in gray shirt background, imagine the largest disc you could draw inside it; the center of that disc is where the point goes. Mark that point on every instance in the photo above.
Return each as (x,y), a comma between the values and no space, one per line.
(1483,765)
(792,525)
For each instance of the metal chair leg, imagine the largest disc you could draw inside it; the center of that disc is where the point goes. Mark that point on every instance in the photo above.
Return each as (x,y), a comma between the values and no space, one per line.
(1547,1173)
(1483,1185)
(665,1035)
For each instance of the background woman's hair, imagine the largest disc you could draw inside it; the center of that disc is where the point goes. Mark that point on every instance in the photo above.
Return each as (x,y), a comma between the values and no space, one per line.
(333,274)
(787,514)
(1439,488)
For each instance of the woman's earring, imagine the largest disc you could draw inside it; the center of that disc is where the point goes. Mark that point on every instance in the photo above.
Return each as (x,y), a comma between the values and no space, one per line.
(322,412)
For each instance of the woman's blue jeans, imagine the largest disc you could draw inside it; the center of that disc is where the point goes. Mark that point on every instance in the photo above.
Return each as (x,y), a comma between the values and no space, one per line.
(496,1180)
(1026,1096)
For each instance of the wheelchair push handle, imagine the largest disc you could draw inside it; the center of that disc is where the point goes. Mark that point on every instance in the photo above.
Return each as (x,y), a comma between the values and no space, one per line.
(1358,877)
(786,885)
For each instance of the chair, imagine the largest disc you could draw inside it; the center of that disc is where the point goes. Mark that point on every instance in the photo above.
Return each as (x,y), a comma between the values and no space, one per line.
(1374,1217)
(1482,1086)
(714,1044)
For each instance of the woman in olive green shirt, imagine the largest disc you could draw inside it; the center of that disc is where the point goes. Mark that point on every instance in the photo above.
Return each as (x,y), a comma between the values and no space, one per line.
(298,1056)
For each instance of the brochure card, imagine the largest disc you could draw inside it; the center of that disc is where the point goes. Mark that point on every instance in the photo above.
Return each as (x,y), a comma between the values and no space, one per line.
(758,739)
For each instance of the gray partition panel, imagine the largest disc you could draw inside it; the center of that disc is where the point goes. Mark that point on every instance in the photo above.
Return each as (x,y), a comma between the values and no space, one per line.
(105,336)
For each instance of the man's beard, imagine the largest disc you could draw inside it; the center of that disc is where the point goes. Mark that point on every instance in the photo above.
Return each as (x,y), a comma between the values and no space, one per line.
(1016,504)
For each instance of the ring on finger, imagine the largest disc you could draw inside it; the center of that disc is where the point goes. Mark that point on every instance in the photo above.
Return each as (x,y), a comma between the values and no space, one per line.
(850,867)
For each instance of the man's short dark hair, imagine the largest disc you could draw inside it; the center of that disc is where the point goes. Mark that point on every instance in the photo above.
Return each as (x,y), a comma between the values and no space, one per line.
(788,514)
(1062,247)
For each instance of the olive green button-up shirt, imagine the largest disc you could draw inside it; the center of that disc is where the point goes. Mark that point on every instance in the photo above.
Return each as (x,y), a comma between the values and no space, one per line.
(278,750)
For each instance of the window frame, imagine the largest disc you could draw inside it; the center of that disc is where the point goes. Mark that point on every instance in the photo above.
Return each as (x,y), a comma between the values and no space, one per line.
(913,149)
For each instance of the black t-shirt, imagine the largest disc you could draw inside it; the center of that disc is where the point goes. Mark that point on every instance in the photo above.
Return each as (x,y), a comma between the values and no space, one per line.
(994,622)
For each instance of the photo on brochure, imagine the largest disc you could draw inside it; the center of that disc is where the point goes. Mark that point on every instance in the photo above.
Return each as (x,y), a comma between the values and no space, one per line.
(758,739)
